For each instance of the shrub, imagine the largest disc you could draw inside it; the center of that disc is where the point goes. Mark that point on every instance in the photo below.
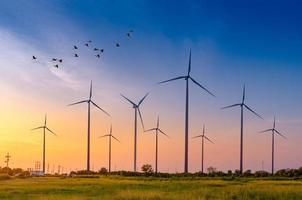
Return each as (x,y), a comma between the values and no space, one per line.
(261,174)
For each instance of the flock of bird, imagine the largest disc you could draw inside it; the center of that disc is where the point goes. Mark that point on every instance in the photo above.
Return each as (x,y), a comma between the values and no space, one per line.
(88,44)
(137,113)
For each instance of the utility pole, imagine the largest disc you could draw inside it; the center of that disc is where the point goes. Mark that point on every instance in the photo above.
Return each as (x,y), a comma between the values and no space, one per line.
(7,157)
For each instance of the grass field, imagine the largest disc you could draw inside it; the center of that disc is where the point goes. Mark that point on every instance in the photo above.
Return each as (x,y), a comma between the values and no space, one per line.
(148,188)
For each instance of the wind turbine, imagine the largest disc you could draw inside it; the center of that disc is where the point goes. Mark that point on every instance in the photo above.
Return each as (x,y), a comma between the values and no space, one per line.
(110,136)
(89,102)
(242,106)
(44,138)
(202,145)
(273,130)
(187,77)
(136,110)
(157,131)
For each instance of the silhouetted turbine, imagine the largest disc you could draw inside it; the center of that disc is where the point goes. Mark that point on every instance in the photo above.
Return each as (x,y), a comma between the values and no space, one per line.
(136,109)
(187,78)
(202,145)
(242,105)
(157,130)
(273,130)
(89,102)
(110,136)
(44,138)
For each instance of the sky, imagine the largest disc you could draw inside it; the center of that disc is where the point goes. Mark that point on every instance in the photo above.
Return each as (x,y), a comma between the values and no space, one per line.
(233,43)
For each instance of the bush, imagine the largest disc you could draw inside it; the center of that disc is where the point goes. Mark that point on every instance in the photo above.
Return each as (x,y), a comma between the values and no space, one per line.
(261,174)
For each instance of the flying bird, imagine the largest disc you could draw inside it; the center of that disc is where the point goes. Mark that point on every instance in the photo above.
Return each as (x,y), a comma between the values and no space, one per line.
(56,66)
(76,55)
(102,50)
(129,33)
(117,44)
(34,58)
(60,60)
(86,44)
(95,49)
(75,47)
(98,55)
(54,59)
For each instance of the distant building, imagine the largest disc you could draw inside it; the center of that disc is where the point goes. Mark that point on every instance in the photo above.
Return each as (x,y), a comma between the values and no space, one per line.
(37,173)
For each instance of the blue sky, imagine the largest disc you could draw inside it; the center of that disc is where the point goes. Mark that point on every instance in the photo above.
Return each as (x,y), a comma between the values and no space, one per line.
(233,42)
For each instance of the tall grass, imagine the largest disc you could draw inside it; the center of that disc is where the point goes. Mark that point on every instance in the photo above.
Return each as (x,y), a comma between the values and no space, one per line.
(149,188)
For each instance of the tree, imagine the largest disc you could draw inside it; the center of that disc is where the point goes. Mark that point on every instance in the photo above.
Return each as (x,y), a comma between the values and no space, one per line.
(103,170)
(211,170)
(247,173)
(147,168)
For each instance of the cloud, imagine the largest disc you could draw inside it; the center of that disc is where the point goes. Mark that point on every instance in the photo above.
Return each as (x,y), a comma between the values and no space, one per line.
(18,66)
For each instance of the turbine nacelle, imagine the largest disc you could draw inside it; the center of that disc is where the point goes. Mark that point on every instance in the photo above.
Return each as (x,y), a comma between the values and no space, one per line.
(273,130)
(136,106)
(242,104)
(203,135)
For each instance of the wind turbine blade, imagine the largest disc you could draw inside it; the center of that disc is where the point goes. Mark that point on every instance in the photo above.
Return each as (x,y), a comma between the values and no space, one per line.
(243,96)
(115,138)
(280,134)
(140,116)
(208,139)
(152,129)
(128,100)
(173,79)
(201,86)
(266,131)
(100,108)
(37,128)
(45,121)
(157,125)
(189,69)
(104,136)
(198,136)
(252,111)
(85,101)
(90,94)
(141,101)
(51,131)
(163,133)
(234,105)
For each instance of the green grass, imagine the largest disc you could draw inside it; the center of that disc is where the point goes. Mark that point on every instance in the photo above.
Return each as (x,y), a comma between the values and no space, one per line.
(149,188)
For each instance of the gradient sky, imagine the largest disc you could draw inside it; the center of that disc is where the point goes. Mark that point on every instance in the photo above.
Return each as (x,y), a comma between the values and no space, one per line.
(233,42)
